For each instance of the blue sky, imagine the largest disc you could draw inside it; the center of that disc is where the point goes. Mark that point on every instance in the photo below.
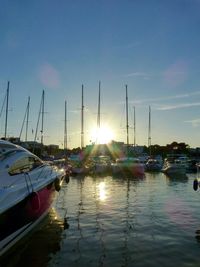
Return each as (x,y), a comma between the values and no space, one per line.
(152,46)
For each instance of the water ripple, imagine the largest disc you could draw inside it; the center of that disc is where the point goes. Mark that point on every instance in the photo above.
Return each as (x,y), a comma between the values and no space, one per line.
(149,222)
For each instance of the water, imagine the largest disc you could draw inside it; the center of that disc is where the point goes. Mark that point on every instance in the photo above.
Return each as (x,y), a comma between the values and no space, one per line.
(109,221)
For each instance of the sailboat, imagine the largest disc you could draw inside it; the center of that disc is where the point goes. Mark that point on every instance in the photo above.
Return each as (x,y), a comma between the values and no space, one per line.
(77,165)
(100,164)
(41,111)
(26,118)
(152,164)
(128,165)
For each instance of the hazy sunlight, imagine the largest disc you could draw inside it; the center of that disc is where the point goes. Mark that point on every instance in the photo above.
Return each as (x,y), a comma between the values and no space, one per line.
(102,191)
(102,135)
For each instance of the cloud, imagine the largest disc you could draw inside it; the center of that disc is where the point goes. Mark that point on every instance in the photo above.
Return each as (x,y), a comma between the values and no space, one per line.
(178,106)
(156,99)
(78,110)
(138,74)
(49,76)
(194,122)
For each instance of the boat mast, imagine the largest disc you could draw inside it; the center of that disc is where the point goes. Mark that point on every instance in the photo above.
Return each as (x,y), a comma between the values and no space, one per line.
(65,128)
(127,126)
(26,117)
(6,120)
(2,108)
(40,111)
(134,126)
(149,132)
(99,99)
(82,121)
(42,126)
(98,114)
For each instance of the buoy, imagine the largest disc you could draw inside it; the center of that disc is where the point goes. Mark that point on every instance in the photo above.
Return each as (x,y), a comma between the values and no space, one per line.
(195,184)
(57,184)
(34,201)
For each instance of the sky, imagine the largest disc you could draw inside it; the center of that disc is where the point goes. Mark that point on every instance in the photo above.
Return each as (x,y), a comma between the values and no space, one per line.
(153,47)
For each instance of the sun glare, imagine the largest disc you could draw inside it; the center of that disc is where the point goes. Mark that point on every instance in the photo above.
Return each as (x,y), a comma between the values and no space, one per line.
(102,191)
(102,135)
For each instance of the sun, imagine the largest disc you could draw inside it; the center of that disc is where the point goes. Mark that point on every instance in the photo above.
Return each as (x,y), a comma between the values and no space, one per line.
(102,135)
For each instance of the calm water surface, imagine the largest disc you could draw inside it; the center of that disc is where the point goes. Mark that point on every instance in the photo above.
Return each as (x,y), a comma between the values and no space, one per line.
(109,221)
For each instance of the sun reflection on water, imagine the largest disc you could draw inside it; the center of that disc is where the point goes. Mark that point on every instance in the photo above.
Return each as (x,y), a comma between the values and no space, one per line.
(102,191)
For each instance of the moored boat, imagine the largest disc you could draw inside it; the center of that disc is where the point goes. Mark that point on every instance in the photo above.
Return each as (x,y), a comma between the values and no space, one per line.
(128,165)
(78,165)
(27,190)
(153,165)
(100,165)
(174,166)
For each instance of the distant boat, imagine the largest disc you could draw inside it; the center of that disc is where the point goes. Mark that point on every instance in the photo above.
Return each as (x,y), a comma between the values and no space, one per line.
(127,164)
(175,164)
(27,189)
(153,165)
(100,165)
(78,167)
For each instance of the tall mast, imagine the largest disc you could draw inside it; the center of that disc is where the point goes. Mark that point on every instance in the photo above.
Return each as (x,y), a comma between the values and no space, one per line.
(42,126)
(6,120)
(98,114)
(40,111)
(99,99)
(127,126)
(149,131)
(65,128)
(26,117)
(2,108)
(82,121)
(134,126)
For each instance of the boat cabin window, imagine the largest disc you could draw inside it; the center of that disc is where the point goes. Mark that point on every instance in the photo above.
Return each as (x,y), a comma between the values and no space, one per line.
(19,166)
(24,164)
(34,163)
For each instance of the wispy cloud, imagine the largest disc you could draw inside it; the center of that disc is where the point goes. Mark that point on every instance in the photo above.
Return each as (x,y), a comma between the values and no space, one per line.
(157,99)
(78,110)
(178,106)
(143,75)
(194,122)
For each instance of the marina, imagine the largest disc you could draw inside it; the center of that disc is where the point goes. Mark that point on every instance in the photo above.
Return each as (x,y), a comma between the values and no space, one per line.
(99,134)
(108,221)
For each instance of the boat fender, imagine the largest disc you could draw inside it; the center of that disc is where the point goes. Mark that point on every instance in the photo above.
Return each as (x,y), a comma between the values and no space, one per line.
(57,184)
(67,178)
(195,184)
(35,201)
(49,186)
(66,224)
